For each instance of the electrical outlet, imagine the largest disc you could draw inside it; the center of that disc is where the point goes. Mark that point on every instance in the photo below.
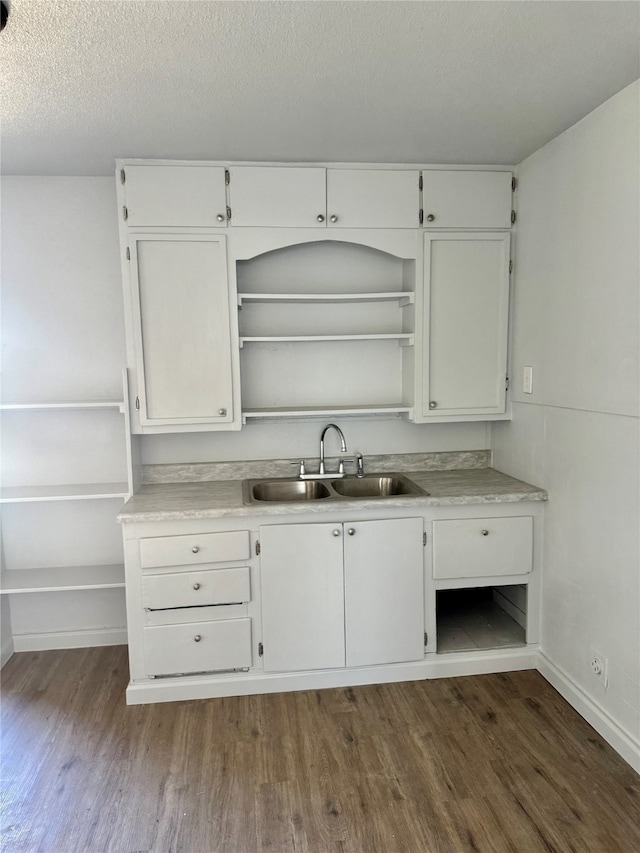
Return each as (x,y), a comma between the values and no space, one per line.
(600,667)
(527,379)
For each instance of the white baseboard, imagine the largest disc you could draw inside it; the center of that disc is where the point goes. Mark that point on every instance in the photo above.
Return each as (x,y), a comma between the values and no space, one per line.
(623,742)
(211,686)
(6,652)
(70,639)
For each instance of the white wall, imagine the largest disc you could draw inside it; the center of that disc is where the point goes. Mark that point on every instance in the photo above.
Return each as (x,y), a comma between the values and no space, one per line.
(576,312)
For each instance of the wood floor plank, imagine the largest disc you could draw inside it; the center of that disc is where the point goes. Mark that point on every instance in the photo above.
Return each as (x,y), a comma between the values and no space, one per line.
(495,764)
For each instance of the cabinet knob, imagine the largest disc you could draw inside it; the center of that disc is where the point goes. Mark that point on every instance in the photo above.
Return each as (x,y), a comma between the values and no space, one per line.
(333,218)
(196,586)
(220,217)
(222,412)
(430,217)
(433,404)
(484,532)
(336,532)
(351,531)
(197,638)
(320,217)
(195,549)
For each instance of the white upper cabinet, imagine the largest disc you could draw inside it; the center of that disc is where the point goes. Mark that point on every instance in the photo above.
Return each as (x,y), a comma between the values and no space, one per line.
(178,196)
(373,198)
(182,330)
(466,199)
(278,197)
(313,197)
(466,305)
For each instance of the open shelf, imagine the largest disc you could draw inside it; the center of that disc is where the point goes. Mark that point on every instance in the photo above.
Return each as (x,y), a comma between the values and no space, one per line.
(479,619)
(85,491)
(404,339)
(401,297)
(326,411)
(71,404)
(62,579)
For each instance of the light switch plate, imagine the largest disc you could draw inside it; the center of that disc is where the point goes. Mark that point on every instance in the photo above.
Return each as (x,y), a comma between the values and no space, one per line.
(527,379)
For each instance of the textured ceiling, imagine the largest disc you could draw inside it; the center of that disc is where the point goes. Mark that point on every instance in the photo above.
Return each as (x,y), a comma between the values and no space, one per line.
(431,82)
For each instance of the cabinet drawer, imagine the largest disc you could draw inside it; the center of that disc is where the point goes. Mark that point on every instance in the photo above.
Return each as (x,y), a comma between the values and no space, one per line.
(193,589)
(482,547)
(194,549)
(197,647)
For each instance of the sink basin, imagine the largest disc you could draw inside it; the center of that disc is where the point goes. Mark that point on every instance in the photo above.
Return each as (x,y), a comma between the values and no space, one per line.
(349,488)
(289,490)
(375,487)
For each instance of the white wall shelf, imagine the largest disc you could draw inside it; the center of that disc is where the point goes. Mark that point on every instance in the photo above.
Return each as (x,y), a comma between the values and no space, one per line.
(61,538)
(327,411)
(401,297)
(62,579)
(83,492)
(71,404)
(404,339)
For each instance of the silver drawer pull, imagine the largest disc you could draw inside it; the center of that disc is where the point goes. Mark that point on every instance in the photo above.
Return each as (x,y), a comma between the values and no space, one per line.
(336,532)
(195,549)
(351,531)
(197,638)
(484,532)
(196,586)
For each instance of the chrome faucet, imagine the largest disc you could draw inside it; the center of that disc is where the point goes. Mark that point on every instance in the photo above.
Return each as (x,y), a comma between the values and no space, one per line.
(343,447)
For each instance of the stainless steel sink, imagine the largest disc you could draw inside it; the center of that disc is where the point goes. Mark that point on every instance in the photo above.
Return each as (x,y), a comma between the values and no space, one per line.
(347,488)
(384,486)
(284,491)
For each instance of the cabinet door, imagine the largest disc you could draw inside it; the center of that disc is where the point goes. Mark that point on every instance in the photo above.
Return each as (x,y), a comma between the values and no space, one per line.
(181,196)
(466,320)
(278,197)
(384,603)
(302,596)
(373,198)
(459,199)
(183,338)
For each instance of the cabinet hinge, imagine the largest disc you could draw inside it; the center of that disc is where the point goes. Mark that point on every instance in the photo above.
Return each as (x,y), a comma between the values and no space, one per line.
(421,216)
(506,384)
(513,217)
(138,403)
(257,547)
(420,182)
(424,539)
(260,650)
(228,213)
(514,184)
(128,253)
(426,639)
(125,212)
(510,266)
(227,177)
(123,177)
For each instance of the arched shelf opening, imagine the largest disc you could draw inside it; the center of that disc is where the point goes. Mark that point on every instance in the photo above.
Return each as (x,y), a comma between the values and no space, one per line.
(326,326)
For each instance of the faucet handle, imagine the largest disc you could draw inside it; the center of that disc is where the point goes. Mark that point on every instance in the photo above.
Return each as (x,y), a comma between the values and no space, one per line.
(301,470)
(359,464)
(341,465)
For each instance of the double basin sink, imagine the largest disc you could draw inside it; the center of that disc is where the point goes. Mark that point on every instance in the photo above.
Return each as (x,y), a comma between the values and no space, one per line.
(347,488)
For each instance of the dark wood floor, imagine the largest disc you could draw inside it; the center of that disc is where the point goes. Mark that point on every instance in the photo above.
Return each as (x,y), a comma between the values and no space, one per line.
(487,763)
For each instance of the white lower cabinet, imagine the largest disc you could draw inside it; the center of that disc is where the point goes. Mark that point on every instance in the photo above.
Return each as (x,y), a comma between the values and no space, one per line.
(328,600)
(342,594)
